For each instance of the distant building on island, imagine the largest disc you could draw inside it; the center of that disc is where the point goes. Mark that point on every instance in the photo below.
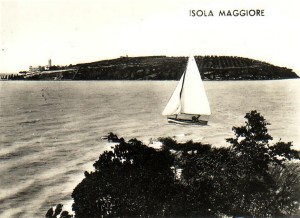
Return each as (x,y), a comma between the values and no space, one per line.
(40,68)
(35,69)
(47,67)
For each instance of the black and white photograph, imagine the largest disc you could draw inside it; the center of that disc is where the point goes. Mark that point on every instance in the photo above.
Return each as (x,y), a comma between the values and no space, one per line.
(170,108)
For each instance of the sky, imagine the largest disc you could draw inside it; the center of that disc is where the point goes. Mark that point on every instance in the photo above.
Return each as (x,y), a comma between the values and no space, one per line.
(79,31)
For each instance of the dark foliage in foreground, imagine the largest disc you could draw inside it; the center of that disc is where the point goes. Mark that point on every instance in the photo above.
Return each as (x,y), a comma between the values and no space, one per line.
(132,180)
(249,178)
(58,213)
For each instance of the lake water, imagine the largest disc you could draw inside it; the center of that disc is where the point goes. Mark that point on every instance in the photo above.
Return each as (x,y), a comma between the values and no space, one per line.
(50,132)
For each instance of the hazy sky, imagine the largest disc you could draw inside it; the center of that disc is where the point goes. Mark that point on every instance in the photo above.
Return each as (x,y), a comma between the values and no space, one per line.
(74,31)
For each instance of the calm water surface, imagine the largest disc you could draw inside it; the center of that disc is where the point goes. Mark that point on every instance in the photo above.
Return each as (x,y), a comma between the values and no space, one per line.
(50,132)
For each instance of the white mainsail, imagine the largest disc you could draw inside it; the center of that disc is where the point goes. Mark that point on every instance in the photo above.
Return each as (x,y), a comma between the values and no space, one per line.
(189,96)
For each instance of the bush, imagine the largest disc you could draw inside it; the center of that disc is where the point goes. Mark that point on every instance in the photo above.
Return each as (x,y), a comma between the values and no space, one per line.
(58,212)
(251,177)
(132,180)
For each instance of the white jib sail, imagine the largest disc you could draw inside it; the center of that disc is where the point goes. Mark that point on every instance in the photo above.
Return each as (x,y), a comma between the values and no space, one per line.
(193,99)
(174,105)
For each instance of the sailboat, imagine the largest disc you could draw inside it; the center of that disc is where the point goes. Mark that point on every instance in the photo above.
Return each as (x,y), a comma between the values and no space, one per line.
(188,103)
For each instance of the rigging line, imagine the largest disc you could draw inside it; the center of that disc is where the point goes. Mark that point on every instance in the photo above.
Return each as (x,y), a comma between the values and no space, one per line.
(183,78)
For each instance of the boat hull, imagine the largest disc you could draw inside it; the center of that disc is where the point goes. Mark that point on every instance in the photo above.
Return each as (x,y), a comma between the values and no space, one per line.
(186,121)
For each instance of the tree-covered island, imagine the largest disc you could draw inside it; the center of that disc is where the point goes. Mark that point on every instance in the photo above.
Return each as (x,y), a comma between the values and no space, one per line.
(161,68)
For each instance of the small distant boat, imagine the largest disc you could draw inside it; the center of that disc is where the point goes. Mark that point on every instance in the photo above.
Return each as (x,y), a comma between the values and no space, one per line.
(188,104)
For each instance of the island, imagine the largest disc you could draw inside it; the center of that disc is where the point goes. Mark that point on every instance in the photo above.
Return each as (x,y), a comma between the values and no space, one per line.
(160,68)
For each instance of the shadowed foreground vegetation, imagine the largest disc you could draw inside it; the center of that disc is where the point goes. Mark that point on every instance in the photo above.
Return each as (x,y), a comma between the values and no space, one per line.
(251,177)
